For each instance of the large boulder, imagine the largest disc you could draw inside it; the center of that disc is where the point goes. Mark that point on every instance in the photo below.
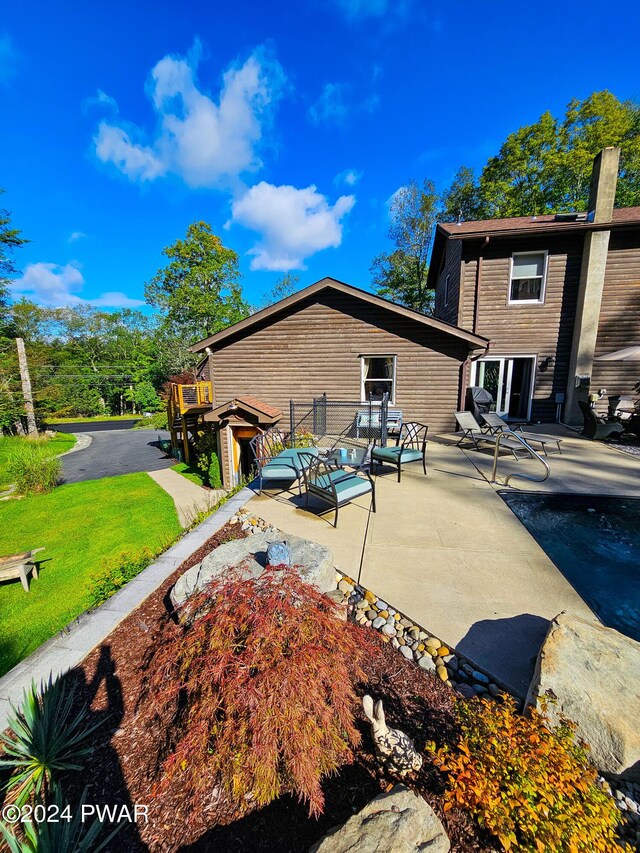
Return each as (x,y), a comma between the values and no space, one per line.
(594,674)
(315,563)
(399,821)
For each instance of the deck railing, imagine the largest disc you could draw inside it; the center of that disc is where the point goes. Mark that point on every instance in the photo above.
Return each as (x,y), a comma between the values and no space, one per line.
(186,397)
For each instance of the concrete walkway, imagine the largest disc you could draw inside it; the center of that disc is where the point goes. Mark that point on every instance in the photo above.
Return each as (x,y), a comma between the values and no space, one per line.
(190,499)
(447,551)
(74,643)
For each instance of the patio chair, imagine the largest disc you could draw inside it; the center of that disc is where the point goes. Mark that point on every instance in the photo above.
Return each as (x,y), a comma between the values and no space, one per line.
(334,485)
(472,430)
(410,446)
(496,424)
(595,427)
(19,566)
(470,427)
(275,461)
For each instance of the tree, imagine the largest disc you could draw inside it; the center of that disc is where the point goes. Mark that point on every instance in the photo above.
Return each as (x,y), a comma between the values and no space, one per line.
(401,275)
(285,286)
(10,239)
(199,289)
(545,167)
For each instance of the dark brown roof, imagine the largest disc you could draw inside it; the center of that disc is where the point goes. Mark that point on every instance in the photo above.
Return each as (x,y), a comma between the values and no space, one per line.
(532,224)
(261,410)
(334,284)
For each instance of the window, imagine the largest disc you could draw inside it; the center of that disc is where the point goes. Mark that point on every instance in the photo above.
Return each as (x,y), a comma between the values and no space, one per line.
(528,274)
(378,377)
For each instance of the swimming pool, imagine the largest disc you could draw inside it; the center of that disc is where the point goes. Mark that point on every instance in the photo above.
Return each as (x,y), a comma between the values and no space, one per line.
(595,542)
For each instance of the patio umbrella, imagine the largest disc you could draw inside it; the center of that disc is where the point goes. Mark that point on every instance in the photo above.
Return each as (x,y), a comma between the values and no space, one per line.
(626,354)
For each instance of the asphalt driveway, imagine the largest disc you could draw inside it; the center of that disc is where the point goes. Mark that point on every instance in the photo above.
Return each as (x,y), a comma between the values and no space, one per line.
(114,452)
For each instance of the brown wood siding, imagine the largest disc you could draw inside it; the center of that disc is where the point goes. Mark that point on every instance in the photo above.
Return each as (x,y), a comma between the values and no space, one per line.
(619,325)
(449,311)
(541,330)
(314,347)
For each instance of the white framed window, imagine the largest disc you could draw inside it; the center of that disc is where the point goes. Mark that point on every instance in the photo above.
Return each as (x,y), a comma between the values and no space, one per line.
(378,376)
(527,279)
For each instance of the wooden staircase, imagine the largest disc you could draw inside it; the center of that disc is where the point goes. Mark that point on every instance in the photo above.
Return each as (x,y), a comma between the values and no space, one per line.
(185,407)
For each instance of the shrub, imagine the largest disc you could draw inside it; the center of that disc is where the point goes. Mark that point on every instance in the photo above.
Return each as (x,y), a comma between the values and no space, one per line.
(65,835)
(262,671)
(529,784)
(47,735)
(207,459)
(31,467)
(115,572)
(157,421)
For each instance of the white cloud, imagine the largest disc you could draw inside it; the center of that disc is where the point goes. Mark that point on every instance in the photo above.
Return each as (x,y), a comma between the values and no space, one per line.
(330,108)
(206,142)
(76,235)
(350,177)
(293,223)
(56,286)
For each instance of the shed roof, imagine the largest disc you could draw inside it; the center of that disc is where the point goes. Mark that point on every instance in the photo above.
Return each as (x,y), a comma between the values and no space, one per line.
(333,284)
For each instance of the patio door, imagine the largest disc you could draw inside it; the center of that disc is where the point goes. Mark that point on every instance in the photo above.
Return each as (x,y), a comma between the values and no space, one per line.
(509,381)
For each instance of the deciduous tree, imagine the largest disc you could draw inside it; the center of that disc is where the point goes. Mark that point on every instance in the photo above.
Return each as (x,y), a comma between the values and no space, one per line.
(199,289)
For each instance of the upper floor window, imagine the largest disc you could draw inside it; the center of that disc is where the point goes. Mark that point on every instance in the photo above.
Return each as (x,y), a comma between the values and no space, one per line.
(528,277)
(378,377)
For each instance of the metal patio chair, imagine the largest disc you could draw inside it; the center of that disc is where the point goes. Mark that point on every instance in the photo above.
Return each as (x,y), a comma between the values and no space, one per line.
(496,424)
(410,446)
(335,485)
(275,461)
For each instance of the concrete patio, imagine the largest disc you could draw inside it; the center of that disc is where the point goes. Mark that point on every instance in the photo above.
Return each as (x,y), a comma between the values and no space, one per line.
(446,550)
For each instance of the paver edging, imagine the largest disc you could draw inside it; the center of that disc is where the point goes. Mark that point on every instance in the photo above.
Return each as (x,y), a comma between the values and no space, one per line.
(74,642)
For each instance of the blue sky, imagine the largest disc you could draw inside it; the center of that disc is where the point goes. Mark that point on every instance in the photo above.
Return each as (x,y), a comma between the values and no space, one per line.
(286,125)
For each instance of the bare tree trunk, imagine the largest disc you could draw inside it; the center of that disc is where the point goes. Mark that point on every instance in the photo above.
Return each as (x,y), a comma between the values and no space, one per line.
(32,429)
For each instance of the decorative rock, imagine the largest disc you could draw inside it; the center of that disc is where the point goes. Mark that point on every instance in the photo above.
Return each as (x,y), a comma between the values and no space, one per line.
(336,595)
(583,658)
(369,596)
(406,623)
(398,821)
(392,612)
(442,672)
(434,642)
(431,651)
(362,604)
(423,635)
(378,622)
(372,614)
(420,647)
(388,630)
(406,651)
(480,677)
(480,689)
(466,690)
(381,605)
(414,633)
(396,616)
(315,563)
(443,651)
(426,663)
(395,642)
(494,690)
(343,586)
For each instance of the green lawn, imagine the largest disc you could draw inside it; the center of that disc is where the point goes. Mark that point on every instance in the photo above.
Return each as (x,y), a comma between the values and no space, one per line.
(60,443)
(190,473)
(80,525)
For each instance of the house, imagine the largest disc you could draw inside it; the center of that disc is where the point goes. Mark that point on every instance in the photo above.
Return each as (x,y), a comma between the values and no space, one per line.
(335,339)
(553,293)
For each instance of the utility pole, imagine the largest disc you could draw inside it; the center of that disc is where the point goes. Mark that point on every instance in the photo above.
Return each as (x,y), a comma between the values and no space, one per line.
(32,429)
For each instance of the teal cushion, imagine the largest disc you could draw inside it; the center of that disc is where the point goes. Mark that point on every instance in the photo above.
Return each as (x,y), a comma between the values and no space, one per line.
(390,454)
(273,471)
(291,456)
(347,486)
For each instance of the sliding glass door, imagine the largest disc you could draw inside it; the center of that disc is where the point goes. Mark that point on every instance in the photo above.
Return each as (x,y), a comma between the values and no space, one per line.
(509,381)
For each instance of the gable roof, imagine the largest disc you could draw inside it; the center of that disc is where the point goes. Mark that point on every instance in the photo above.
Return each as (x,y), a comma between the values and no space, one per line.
(334,284)
(265,413)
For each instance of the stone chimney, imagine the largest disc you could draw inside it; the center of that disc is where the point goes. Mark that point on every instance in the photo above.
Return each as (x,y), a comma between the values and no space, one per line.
(604,179)
(602,193)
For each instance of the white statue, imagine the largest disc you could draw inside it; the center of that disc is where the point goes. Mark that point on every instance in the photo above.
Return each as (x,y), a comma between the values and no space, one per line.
(395,748)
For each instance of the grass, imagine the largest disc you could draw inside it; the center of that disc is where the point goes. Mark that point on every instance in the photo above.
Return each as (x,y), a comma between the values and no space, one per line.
(80,525)
(190,473)
(53,421)
(57,445)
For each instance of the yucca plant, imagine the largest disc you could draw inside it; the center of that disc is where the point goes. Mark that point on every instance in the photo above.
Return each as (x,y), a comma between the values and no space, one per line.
(47,735)
(61,836)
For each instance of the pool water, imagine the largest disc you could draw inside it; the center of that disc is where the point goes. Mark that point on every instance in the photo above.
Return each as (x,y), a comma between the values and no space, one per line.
(595,542)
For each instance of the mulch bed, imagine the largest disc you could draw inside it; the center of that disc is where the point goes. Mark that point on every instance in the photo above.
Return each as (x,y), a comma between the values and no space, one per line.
(124,767)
